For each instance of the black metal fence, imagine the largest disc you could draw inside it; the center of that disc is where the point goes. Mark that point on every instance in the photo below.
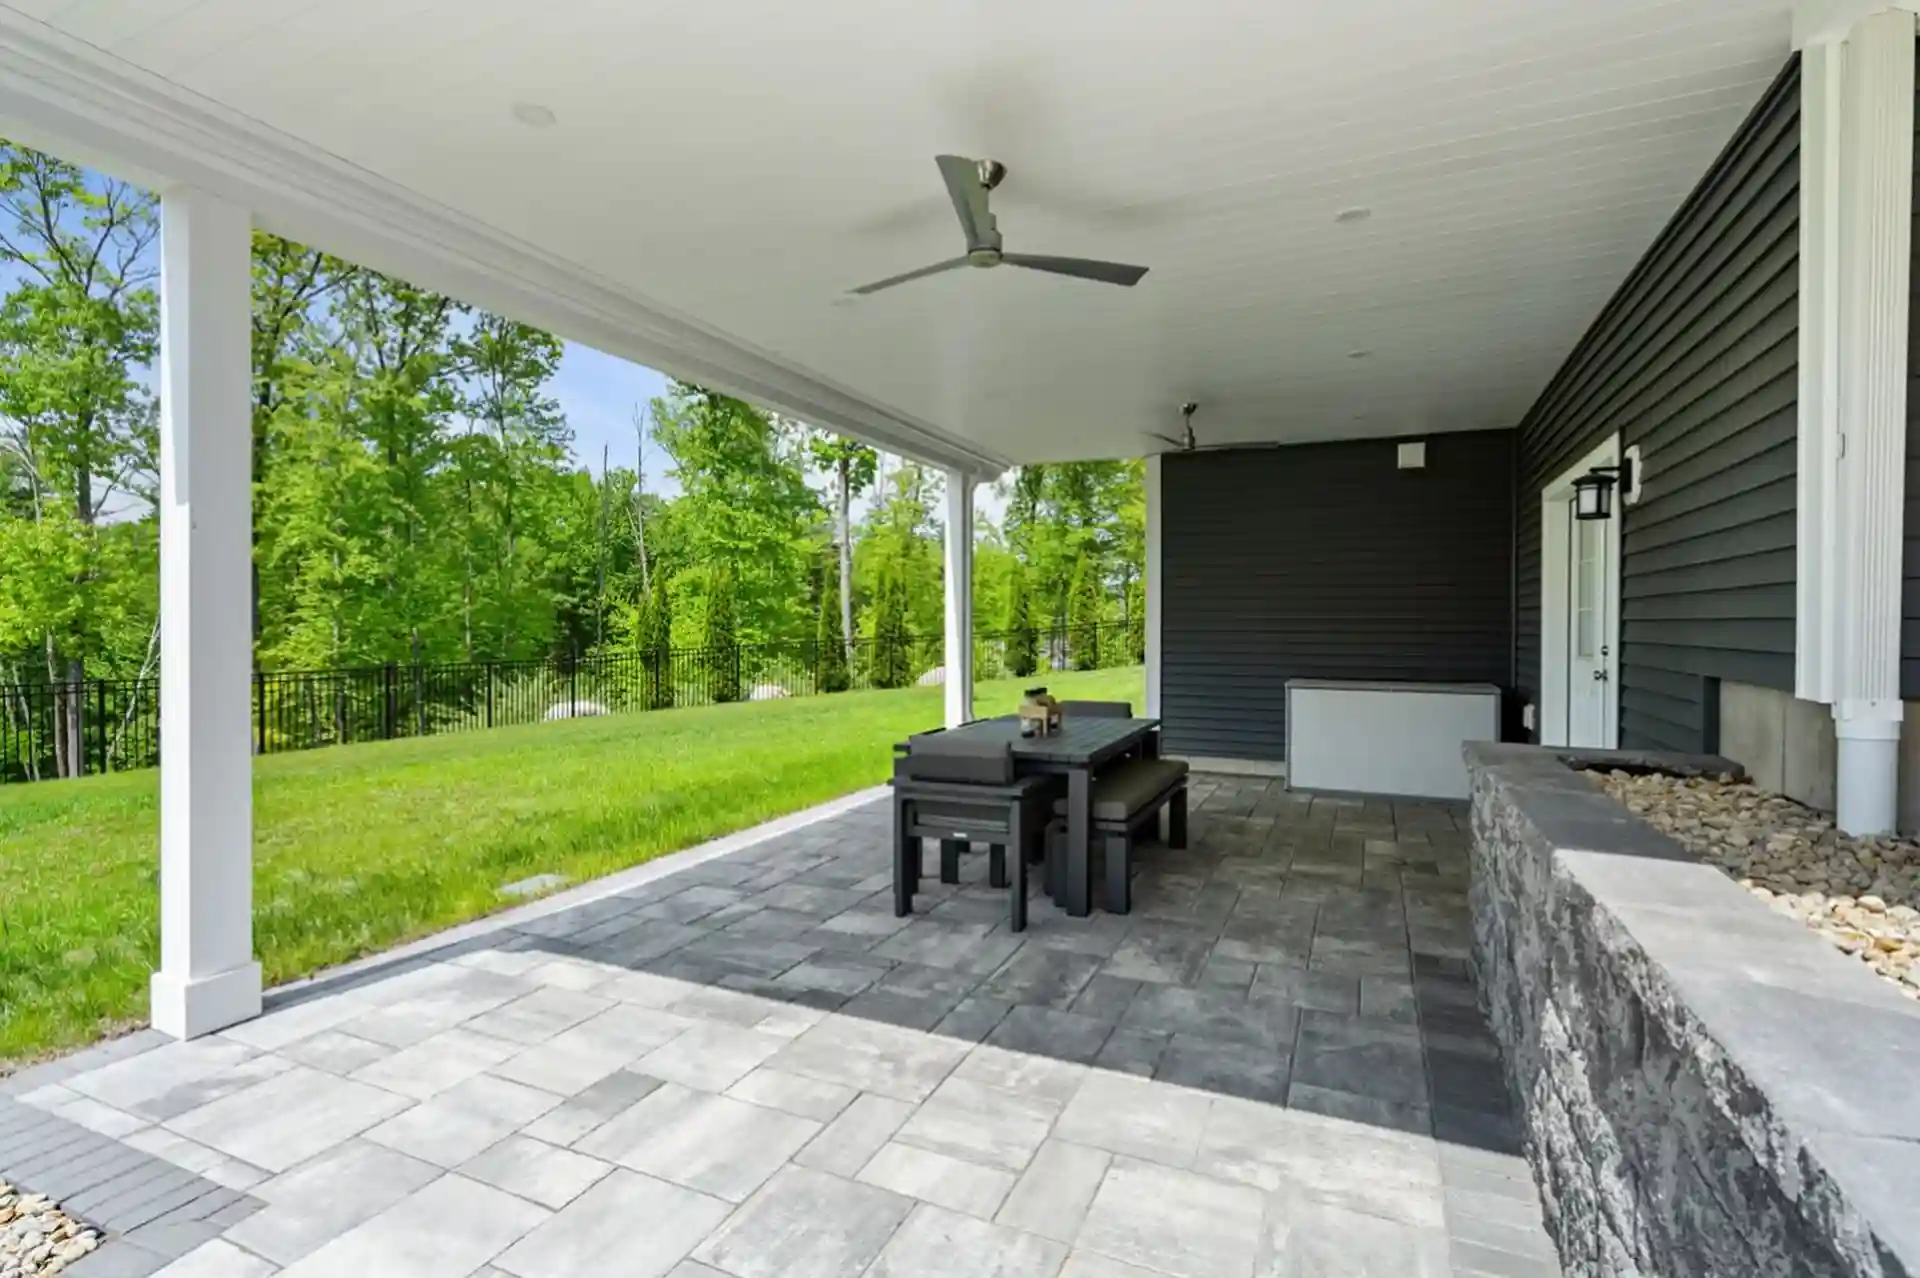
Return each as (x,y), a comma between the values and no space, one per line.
(112,725)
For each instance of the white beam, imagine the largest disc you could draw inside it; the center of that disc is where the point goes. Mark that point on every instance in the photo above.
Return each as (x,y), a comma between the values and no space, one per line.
(959,580)
(1154,508)
(208,978)
(1868,516)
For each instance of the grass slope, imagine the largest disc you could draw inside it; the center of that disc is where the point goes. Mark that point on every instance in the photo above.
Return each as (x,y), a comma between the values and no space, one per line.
(360,847)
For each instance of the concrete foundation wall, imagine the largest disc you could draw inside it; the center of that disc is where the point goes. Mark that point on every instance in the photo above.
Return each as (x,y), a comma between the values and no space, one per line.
(1787,746)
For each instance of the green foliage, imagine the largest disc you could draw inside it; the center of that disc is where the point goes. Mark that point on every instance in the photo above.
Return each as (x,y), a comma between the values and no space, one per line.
(654,642)
(1021,658)
(1083,615)
(720,640)
(414,494)
(744,504)
(830,642)
(891,662)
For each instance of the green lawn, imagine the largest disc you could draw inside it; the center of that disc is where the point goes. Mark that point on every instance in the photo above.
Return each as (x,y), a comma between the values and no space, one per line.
(360,847)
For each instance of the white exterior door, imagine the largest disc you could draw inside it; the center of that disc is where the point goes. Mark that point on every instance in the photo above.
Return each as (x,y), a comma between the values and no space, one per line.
(1589,658)
(1579,614)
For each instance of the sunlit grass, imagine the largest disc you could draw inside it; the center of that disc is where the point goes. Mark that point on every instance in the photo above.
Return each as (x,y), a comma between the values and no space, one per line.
(360,847)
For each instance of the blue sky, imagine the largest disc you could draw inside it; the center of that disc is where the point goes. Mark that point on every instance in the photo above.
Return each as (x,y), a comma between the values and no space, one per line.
(598,393)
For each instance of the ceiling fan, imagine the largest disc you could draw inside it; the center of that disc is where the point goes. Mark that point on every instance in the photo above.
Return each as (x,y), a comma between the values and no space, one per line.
(969,182)
(1186,442)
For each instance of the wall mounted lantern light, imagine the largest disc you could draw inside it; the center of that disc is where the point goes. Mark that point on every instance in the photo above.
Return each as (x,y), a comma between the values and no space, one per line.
(1593,491)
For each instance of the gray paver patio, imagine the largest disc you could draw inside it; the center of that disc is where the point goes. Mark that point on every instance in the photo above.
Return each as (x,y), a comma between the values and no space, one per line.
(744,1065)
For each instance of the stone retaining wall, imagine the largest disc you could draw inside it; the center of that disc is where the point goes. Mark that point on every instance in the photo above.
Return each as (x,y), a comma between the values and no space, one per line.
(1706,1087)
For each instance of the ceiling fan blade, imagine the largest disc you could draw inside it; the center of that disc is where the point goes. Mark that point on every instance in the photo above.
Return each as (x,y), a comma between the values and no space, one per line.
(1079,267)
(969,200)
(891,280)
(1182,444)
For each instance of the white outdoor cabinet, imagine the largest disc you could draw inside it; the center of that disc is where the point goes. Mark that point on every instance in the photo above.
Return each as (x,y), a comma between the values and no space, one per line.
(1386,738)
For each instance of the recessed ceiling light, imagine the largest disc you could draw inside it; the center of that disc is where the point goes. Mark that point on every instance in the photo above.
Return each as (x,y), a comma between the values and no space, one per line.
(1358,354)
(1359,213)
(533,115)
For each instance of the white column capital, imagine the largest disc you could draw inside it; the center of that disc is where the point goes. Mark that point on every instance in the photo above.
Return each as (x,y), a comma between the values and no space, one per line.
(208,978)
(1817,22)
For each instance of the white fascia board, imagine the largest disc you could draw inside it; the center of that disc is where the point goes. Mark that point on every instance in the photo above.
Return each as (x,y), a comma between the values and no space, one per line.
(77,101)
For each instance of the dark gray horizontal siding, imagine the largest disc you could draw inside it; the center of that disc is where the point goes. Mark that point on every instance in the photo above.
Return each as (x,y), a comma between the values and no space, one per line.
(1695,360)
(1326,561)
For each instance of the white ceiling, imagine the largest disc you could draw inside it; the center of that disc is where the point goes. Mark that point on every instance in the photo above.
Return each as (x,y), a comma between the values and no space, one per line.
(743,162)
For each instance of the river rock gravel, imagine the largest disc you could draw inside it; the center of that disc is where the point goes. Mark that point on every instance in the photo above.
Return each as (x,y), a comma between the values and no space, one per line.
(1862,894)
(38,1240)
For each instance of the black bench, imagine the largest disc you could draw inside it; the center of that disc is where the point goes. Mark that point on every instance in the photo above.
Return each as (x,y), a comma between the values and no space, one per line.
(1126,797)
(960,792)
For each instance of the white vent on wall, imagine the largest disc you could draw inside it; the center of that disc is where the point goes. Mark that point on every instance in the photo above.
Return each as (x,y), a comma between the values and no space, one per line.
(1413,456)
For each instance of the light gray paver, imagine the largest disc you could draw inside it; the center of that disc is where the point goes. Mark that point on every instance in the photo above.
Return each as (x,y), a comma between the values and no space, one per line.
(433,1065)
(311,1205)
(971,1120)
(1131,1116)
(1180,1223)
(806,1224)
(806,1097)
(535,1170)
(1053,1195)
(935,1243)
(714,1144)
(627,1226)
(446,1230)
(219,1259)
(463,1120)
(846,1144)
(289,1118)
(949,1182)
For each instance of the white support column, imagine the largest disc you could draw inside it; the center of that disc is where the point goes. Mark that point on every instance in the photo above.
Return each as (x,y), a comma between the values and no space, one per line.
(1856,266)
(208,978)
(1153,586)
(959,576)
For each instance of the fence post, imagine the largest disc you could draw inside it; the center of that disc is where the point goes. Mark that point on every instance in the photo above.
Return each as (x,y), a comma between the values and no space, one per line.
(419,699)
(573,681)
(100,718)
(489,677)
(390,710)
(260,711)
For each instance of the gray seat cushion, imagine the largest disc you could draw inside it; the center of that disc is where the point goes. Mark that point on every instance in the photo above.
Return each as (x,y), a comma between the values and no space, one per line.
(1124,791)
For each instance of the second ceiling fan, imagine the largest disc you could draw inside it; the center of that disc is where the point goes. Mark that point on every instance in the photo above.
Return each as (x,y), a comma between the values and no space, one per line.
(969,182)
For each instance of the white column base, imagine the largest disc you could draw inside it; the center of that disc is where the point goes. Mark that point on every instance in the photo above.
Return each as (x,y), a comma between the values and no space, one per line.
(1867,776)
(189,1007)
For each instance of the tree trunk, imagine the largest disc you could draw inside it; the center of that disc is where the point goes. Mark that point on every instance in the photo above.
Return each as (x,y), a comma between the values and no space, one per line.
(76,717)
(846,558)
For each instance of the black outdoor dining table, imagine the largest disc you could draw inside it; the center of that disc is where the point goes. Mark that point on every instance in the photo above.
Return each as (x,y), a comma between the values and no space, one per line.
(1082,745)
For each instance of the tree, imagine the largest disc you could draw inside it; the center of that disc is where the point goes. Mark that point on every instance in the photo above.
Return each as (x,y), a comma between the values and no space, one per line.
(722,647)
(744,506)
(79,426)
(892,659)
(655,643)
(1021,657)
(1083,615)
(830,647)
(853,466)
